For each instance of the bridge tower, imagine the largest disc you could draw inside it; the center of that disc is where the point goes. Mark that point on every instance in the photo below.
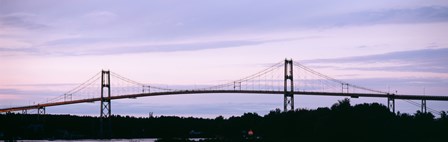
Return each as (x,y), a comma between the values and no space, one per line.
(105,100)
(288,89)
(423,107)
(345,88)
(105,108)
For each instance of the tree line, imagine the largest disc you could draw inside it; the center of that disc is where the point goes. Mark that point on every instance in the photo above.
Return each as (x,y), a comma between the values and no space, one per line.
(340,122)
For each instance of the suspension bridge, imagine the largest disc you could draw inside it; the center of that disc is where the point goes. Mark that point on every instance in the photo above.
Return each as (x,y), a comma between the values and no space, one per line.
(287,78)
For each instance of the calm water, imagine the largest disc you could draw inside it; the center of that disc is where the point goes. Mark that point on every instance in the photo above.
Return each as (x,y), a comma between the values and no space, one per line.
(94,140)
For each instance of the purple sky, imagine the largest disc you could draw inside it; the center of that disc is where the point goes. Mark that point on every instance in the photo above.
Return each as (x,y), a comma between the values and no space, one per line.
(48,46)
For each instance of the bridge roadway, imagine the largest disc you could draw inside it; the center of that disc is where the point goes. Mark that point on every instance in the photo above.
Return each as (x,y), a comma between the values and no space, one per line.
(354,95)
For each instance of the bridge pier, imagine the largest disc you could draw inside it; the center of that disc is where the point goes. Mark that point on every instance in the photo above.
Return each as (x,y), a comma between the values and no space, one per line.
(391,102)
(288,90)
(105,105)
(41,110)
(423,107)
(24,111)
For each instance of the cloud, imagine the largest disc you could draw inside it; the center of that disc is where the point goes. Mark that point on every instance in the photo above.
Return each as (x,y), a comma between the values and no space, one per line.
(110,46)
(384,16)
(21,20)
(100,14)
(100,17)
(77,41)
(181,47)
(409,82)
(23,95)
(426,60)
(4,51)
(33,93)
(409,86)
(265,18)
(115,30)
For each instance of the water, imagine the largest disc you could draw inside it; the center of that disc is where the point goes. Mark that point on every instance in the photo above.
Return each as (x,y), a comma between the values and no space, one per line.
(95,140)
(112,140)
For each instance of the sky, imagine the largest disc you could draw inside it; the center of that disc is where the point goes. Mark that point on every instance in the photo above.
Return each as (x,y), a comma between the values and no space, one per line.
(49,46)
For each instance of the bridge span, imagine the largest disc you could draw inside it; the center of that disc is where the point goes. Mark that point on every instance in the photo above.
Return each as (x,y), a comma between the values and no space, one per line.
(181,92)
(285,78)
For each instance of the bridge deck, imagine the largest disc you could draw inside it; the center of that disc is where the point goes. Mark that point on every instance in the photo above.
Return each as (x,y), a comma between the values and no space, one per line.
(403,97)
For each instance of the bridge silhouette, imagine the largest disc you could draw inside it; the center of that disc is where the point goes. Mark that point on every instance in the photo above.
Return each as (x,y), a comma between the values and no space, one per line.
(287,78)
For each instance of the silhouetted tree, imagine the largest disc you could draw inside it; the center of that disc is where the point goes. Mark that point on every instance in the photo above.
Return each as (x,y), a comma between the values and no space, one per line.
(341,105)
